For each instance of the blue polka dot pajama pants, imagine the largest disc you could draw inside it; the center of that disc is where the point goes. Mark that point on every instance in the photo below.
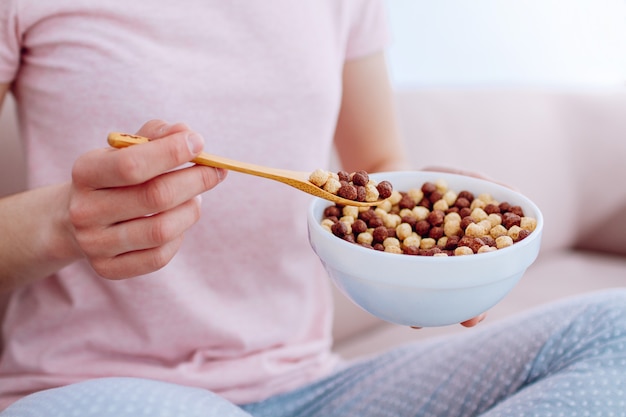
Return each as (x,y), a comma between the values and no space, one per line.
(567,359)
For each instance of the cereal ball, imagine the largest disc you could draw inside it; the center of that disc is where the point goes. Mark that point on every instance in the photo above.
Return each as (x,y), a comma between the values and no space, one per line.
(347,191)
(450,197)
(514,233)
(395,197)
(528,223)
(386,206)
(428,188)
(428,243)
(393,249)
(503,242)
(327,223)
(442,185)
(463,250)
(406,202)
(478,214)
(492,208)
(510,219)
(319,177)
(392,220)
(360,178)
(403,230)
(442,254)
(339,229)
(347,219)
(452,242)
(466,195)
(332,211)
(494,219)
(351,211)
(391,241)
(435,218)
(380,234)
(441,205)
(422,227)
(359,227)
(475,230)
(498,231)
(486,248)
(416,194)
(343,176)
(420,212)
(462,202)
(384,189)
(365,238)
(476,203)
(452,228)
(413,240)
(371,193)
(332,185)
(452,216)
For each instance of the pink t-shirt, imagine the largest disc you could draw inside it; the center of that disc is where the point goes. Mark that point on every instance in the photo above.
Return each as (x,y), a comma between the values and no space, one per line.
(244,309)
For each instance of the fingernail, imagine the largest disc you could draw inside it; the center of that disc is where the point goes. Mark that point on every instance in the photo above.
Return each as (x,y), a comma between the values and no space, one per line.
(195,143)
(221,173)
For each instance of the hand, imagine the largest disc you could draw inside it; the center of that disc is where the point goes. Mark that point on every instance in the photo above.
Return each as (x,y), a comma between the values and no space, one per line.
(129,208)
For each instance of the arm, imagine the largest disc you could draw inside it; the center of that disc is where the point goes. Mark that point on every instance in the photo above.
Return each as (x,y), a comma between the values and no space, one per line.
(48,228)
(367,136)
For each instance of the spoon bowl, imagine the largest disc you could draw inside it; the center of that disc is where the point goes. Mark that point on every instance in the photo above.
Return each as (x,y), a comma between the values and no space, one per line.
(296,179)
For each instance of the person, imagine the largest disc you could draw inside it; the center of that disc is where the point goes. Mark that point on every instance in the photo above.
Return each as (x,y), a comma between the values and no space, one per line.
(140,284)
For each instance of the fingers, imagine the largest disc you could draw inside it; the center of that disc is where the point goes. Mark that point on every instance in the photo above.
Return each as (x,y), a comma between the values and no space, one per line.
(105,168)
(129,208)
(474,321)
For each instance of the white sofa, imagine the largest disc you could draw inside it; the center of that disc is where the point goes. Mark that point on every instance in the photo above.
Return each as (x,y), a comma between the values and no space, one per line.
(566,150)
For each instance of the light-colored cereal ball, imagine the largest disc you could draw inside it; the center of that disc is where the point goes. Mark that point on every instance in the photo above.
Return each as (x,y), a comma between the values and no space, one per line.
(405,212)
(327,228)
(428,243)
(416,194)
(395,197)
(463,250)
(380,212)
(476,203)
(450,197)
(528,223)
(347,219)
(442,185)
(420,212)
(452,228)
(334,175)
(441,205)
(486,224)
(452,216)
(498,231)
(503,241)
(392,220)
(413,240)
(327,222)
(385,205)
(478,214)
(440,254)
(486,197)
(485,249)
(371,192)
(319,177)
(494,219)
(404,230)
(391,241)
(365,238)
(514,232)
(351,211)
(475,230)
(393,249)
(442,242)
(332,185)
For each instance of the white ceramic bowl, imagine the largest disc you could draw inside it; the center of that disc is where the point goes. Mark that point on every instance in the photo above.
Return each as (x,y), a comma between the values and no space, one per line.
(424,290)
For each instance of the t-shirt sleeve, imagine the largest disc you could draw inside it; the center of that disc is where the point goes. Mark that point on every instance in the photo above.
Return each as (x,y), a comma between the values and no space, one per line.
(369,31)
(9,41)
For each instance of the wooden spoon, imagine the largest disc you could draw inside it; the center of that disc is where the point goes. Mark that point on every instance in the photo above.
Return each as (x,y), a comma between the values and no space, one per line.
(297,179)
